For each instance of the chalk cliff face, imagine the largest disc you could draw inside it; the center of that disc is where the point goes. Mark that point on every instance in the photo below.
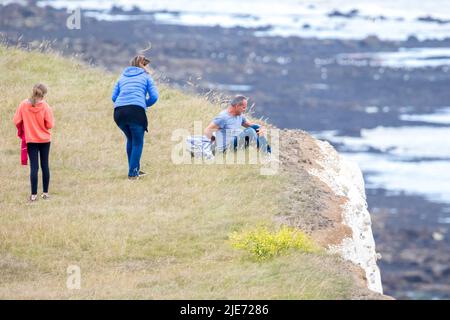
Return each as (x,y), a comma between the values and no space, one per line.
(327,199)
(344,177)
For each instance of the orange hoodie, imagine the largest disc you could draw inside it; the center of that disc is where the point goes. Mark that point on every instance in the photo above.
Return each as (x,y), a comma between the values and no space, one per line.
(37,121)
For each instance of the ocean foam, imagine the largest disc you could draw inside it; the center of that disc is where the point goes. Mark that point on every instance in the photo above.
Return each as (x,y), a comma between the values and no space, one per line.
(413,160)
(442,116)
(410,58)
(386,19)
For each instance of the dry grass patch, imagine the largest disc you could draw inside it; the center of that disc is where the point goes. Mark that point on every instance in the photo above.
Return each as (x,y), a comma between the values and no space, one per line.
(161,237)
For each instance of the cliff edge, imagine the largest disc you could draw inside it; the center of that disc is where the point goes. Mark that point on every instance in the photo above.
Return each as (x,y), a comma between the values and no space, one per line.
(326,199)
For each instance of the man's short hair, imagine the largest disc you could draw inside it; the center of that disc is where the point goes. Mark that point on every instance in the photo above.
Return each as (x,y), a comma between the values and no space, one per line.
(238,100)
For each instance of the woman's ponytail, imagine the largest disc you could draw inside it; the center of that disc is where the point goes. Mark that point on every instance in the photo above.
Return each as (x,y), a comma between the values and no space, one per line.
(39,91)
(141,62)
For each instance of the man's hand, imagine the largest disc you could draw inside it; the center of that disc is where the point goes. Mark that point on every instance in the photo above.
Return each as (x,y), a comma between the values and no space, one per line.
(210,129)
(261,131)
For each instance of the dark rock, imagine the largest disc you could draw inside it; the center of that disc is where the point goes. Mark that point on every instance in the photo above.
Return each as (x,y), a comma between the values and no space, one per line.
(433,20)
(412,39)
(116,10)
(415,277)
(350,14)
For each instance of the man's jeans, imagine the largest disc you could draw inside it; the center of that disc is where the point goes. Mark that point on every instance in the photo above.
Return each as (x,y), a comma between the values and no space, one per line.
(135,143)
(249,136)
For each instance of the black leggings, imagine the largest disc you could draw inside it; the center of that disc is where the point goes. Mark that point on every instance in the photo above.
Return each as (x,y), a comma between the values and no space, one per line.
(34,151)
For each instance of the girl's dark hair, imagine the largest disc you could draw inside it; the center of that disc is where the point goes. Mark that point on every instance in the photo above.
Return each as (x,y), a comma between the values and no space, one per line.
(39,91)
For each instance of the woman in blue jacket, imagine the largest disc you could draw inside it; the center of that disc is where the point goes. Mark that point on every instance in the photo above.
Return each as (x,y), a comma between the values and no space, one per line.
(134,92)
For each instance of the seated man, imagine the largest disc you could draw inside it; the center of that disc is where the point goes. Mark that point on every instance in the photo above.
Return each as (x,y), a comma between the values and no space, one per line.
(228,125)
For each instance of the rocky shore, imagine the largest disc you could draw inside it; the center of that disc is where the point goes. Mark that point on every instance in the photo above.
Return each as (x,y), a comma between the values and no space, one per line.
(295,82)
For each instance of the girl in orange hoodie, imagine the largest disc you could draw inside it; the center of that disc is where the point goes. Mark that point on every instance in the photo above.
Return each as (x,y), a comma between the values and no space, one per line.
(37,119)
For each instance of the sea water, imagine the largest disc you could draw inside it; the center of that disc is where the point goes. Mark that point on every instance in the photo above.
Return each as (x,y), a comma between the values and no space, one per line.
(341,19)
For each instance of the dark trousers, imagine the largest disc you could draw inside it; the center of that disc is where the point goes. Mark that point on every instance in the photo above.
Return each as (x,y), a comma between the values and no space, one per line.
(36,151)
(135,144)
(248,136)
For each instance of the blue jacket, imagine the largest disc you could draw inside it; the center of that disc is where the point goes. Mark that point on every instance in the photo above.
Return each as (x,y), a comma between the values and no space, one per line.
(132,89)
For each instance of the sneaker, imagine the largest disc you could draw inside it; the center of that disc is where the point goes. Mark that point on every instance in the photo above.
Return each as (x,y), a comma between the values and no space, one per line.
(133,178)
(33,198)
(45,196)
(142,174)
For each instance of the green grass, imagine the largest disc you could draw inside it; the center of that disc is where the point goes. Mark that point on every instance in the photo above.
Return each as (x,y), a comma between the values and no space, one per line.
(163,237)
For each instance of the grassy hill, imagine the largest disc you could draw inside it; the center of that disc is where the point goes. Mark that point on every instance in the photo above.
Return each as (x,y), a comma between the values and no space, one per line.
(163,237)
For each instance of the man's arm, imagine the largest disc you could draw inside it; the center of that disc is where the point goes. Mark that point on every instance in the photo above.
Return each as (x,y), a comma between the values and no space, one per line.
(210,129)
(248,124)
